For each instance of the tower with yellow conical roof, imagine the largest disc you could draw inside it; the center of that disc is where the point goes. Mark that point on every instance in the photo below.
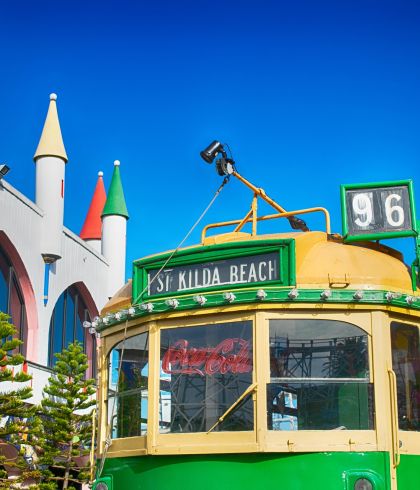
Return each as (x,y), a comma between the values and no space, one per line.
(114,231)
(92,227)
(50,159)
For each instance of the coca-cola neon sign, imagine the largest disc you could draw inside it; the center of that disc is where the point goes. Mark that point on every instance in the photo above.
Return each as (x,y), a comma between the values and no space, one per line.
(229,356)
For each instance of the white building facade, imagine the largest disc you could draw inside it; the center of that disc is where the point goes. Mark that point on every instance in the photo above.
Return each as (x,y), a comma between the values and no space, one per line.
(51,279)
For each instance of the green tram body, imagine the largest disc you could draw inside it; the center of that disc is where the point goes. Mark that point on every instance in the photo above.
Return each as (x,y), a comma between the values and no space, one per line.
(355,429)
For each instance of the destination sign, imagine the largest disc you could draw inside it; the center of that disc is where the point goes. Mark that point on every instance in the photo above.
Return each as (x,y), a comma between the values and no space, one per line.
(239,270)
(375,211)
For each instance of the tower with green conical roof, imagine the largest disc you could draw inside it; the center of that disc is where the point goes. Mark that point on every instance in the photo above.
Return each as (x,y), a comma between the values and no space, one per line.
(114,232)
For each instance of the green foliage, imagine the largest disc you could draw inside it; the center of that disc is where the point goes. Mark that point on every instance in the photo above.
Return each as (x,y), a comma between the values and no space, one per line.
(19,422)
(67,420)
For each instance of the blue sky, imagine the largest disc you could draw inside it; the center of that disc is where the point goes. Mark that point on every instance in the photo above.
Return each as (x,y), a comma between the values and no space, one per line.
(308,95)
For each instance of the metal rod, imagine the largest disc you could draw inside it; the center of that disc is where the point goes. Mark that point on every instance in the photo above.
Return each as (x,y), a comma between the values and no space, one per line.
(254,214)
(273,216)
(260,192)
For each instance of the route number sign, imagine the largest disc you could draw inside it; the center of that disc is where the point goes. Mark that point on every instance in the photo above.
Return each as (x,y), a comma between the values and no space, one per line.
(377,211)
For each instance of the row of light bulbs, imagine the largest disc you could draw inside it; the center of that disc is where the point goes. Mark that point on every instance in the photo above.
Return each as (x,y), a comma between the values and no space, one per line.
(229,297)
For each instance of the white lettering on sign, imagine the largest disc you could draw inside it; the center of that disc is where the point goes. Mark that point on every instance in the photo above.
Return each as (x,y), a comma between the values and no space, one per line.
(378,210)
(239,270)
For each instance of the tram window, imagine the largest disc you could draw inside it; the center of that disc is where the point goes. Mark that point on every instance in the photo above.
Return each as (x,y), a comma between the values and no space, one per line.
(406,365)
(204,371)
(319,376)
(127,387)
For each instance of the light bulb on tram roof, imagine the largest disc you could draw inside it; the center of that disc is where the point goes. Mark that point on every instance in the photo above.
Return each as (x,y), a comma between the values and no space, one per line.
(148,307)
(358,295)
(326,294)
(410,300)
(131,311)
(261,294)
(87,324)
(389,296)
(172,303)
(293,294)
(118,315)
(229,297)
(200,299)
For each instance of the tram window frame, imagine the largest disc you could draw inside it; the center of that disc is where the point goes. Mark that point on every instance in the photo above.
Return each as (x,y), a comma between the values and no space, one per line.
(211,367)
(317,389)
(121,395)
(316,439)
(211,440)
(410,371)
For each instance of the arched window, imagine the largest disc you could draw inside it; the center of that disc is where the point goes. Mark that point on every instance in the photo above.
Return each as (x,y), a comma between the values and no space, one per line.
(66,324)
(11,298)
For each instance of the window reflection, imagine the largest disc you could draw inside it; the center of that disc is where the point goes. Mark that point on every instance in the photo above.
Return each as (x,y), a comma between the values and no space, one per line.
(406,365)
(319,375)
(11,298)
(127,387)
(70,311)
(204,370)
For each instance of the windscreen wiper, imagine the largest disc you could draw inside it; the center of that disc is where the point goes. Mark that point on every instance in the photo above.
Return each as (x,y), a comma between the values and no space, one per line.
(247,392)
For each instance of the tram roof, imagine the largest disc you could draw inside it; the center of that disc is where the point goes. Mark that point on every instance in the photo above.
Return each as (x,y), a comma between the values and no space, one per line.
(322,261)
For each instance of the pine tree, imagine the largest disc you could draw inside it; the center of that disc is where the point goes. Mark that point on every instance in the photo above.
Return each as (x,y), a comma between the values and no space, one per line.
(19,423)
(67,420)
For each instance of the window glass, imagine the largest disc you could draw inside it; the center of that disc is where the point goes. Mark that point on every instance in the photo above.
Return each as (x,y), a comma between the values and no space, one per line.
(66,324)
(4,287)
(16,309)
(56,329)
(127,388)
(11,298)
(204,371)
(70,318)
(406,365)
(82,315)
(319,376)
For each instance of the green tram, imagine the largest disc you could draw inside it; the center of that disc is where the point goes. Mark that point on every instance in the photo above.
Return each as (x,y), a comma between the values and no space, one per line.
(287,361)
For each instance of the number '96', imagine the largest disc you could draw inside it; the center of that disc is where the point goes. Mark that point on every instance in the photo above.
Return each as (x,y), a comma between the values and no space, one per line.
(363,209)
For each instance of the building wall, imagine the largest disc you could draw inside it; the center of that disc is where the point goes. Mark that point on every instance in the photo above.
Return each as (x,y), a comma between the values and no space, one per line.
(21,239)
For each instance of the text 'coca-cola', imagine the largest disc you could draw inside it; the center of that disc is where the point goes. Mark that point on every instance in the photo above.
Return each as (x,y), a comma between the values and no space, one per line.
(229,356)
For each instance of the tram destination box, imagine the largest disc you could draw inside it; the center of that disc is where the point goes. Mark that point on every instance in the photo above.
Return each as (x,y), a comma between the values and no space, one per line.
(215,267)
(378,210)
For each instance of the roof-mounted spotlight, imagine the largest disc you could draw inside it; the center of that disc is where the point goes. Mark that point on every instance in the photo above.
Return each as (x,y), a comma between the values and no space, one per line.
(131,311)
(224,165)
(4,169)
(293,294)
(211,152)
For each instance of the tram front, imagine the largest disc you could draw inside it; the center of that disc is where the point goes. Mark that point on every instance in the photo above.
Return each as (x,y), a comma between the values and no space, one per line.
(262,361)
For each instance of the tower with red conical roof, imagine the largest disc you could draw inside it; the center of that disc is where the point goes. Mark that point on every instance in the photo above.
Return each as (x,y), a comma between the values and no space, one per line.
(92,227)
